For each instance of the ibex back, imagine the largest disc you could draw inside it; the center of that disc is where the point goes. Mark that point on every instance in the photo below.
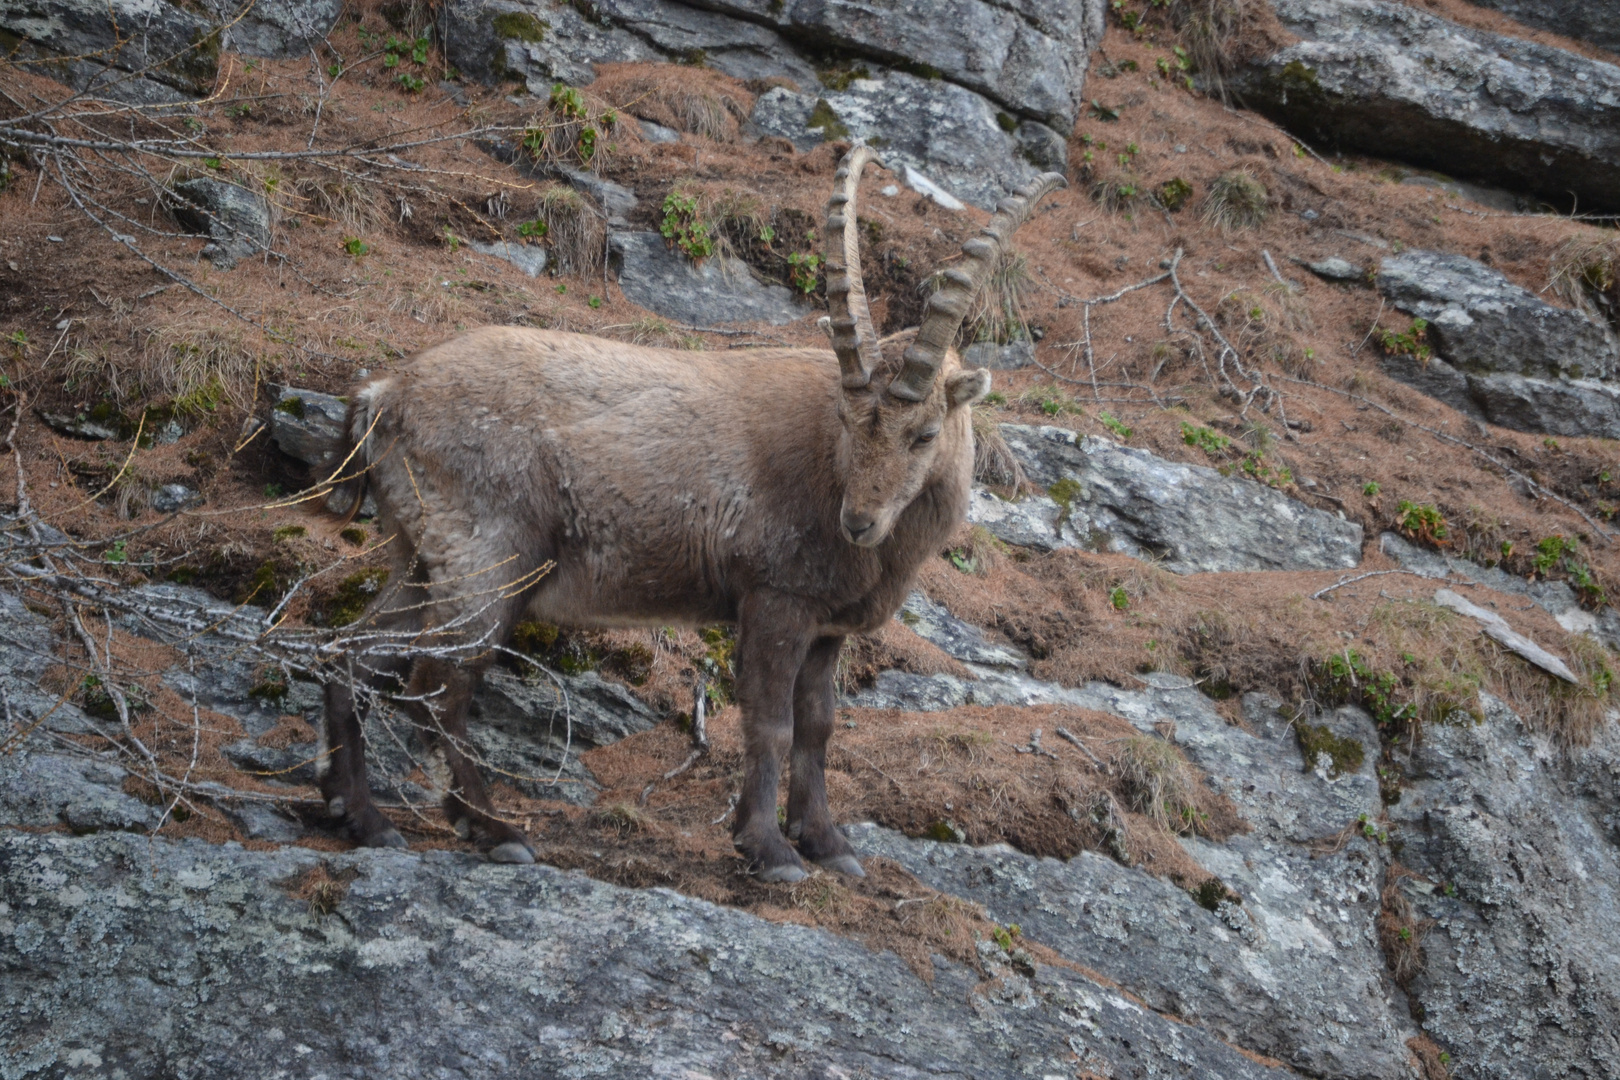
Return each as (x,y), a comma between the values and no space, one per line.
(770,488)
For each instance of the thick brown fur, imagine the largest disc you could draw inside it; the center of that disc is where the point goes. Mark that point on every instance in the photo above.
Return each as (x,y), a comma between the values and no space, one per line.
(663,487)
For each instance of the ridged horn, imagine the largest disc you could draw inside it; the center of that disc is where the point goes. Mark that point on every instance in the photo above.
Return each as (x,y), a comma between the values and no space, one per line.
(962,282)
(852,336)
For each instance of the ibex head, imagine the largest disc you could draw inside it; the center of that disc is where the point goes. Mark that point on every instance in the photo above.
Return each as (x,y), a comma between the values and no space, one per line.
(906,424)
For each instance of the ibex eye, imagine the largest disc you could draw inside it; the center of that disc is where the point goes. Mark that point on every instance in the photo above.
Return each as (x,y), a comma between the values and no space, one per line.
(926,437)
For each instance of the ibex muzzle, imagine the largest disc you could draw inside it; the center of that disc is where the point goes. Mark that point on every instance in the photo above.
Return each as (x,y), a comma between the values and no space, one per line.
(767,488)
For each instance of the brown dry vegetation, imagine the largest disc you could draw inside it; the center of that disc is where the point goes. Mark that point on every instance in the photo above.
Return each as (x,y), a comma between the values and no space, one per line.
(85,325)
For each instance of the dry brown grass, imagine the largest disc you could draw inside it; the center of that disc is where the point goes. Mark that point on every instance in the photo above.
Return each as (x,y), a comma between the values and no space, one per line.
(695,100)
(576,233)
(1236,200)
(1585,272)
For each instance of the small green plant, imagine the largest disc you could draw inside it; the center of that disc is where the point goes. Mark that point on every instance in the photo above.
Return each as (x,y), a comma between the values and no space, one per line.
(355,246)
(1210,442)
(594,302)
(1371,489)
(1114,424)
(272,491)
(411,84)
(1413,342)
(1236,200)
(1562,553)
(1173,194)
(1422,523)
(683,228)
(452,242)
(804,270)
(1256,466)
(562,288)
(1348,677)
(213,163)
(1007,936)
(116,553)
(354,535)
(994,397)
(1119,598)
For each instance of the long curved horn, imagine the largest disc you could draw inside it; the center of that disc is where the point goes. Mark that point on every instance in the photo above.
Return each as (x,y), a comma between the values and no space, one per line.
(949,305)
(852,336)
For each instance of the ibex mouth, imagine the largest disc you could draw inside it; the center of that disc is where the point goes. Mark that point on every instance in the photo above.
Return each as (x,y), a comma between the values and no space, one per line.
(861,530)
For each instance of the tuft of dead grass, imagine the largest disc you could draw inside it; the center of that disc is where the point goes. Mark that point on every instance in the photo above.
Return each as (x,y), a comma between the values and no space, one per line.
(1158,782)
(994,463)
(1585,272)
(1236,200)
(698,101)
(575,234)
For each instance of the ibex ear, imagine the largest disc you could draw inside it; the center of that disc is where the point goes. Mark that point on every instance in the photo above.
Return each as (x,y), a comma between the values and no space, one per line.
(967,387)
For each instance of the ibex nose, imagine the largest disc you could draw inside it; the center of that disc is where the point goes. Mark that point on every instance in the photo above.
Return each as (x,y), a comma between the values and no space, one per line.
(858,526)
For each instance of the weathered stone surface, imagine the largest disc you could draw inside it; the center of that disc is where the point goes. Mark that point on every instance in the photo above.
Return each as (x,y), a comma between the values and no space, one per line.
(1391,80)
(935,624)
(1517,844)
(1503,354)
(529,258)
(1009,357)
(157,38)
(1554,597)
(533,730)
(946,134)
(119,955)
(1480,321)
(1027,58)
(1295,970)
(721,290)
(1116,498)
(307,424)
(237,220)
(1594,21)
(171,497)
(1334,268)
(78,425)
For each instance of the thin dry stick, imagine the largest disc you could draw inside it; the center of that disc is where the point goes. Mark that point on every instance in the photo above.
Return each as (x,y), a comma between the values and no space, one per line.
(1065,733)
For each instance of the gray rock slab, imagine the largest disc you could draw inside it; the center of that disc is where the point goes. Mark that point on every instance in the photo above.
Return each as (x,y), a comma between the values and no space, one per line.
(85,793)
(148,35)
(1479,322)
(1299,976)
(1516,841)
(1188,517)
(235,219)
(1391,80)
(1554,597)
(533,730)
(1594,21)
(529,258)
(131,955)
(934,623)
(1334,268)
(308,425)
(78,425)
(721,290)
(1027,58)
(1575,408)
(948,135)
(1010,357)
(171,497)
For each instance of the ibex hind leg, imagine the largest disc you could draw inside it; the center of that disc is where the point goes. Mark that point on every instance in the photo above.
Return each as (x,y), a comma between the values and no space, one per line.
(809,820)
(349,690)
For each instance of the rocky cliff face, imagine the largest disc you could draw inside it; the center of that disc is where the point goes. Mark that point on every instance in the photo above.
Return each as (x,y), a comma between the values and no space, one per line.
(1311,822)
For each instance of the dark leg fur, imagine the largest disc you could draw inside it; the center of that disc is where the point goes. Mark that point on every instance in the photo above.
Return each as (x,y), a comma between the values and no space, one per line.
(344,785)
(809,820)
(771,648)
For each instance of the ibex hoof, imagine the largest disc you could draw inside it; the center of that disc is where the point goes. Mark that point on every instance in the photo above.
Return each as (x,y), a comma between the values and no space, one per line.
(511,852)
(786,874)
(386,838)
(844,864)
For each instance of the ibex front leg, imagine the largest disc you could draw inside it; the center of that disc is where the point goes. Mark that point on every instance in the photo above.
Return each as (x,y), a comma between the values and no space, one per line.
(773,638)
(809,821)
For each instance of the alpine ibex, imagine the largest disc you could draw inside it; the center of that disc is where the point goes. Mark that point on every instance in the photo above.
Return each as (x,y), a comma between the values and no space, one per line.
(765,488)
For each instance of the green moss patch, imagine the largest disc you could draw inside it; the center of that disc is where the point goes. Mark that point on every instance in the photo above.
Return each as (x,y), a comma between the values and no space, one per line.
(353,594)
(519,26)
(1346,755)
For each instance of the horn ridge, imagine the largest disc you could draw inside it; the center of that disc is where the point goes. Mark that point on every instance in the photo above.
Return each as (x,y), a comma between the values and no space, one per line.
(853,338)
(961,284)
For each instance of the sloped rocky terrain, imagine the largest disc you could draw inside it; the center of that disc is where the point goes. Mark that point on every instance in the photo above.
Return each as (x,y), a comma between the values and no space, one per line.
(1257,722)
